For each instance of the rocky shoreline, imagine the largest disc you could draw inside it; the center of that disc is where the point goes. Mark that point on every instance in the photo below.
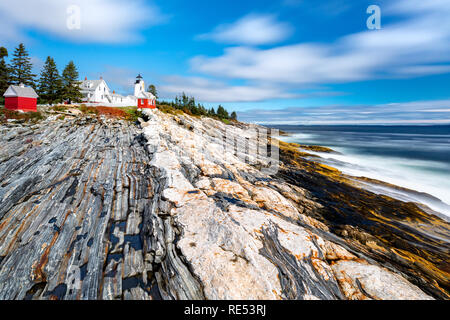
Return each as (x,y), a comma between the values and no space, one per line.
(101,208)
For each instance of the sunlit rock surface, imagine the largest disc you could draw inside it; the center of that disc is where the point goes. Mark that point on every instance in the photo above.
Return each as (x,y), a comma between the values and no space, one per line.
(106,209)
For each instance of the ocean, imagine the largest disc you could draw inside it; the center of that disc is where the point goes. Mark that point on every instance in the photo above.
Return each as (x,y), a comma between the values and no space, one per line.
(413,157)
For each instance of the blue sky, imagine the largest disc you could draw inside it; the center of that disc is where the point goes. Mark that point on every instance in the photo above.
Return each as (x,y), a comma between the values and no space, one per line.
(312,61)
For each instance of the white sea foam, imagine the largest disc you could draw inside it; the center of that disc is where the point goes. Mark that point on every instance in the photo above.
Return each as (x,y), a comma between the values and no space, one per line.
(406,173)
(426,176)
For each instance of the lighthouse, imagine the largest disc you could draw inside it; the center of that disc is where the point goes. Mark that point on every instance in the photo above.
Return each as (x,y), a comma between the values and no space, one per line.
(139,85)
(144,99)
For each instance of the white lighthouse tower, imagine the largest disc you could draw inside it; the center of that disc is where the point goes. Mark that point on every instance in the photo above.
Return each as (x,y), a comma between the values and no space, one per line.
(139,86)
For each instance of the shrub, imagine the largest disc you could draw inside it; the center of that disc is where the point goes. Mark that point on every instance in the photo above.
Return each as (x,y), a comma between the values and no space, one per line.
(169,110)
(132,113)
(59,108)
(89,110)
(23,116)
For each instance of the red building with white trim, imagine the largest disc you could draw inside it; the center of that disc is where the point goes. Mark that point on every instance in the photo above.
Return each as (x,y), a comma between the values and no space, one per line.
(21,98)
(144,99)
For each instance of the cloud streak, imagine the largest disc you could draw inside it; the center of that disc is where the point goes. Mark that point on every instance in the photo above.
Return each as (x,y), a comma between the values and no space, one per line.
(102,21)
(418,45)
(419,112)
(250,30)
(208,90)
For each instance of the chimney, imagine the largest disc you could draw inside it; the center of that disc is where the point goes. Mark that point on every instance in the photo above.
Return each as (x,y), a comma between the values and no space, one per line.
(114,91)
(21,85)
(85,78)
(101,78)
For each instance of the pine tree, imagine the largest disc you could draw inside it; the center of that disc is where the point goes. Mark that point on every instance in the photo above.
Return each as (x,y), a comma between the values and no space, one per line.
(71,90)
(50,84)
(4,74)
(21,67)
(233,115)
(222,113)
(184,99)
(152,90)
(202,110)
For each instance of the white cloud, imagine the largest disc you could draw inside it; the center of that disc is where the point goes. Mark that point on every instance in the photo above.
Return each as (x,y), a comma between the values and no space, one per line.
(102,21)
(420,70)
(119,79)
(411,47)
(207,90)
(417,112)
(251,30)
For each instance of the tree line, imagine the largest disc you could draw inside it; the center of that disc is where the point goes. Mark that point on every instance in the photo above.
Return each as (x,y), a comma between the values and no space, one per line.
(190,106)
(51,86)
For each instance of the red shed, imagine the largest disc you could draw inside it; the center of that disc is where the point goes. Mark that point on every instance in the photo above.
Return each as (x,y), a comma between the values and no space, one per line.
(21,98)
(146,100)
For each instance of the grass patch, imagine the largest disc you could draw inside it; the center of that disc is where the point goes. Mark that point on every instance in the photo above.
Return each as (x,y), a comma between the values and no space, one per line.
(89,110)
(164,108)
(6,115)
(124,113)
(132,113)
(170,110)
(59,108)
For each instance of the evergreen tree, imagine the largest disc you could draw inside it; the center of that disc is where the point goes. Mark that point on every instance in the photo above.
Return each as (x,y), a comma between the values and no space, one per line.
(50,84)
(233,115)
(191,102)
(202,110)
(152,90)
(4,74)
(184,99)
(177,101)
(71,90)
(222,113)
(21,67)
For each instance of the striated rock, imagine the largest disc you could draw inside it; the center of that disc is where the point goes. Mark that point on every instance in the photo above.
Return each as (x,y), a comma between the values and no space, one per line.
(240,237)
(369,281)
(71,212)
(96,208)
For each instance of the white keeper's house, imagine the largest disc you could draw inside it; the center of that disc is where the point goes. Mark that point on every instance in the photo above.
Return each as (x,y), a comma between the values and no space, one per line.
(97,92)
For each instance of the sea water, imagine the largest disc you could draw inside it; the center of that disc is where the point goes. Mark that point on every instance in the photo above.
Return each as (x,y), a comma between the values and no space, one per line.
(413,157)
